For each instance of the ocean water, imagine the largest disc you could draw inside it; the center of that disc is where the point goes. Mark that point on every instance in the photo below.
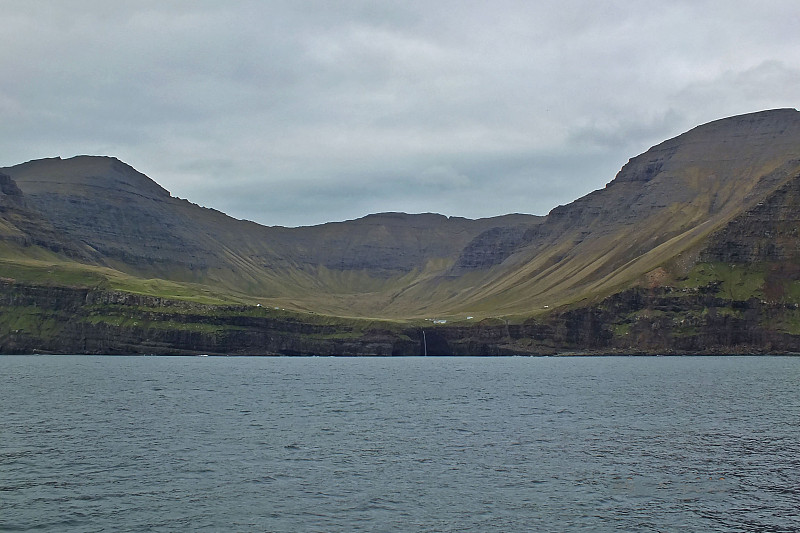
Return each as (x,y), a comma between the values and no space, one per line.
(399,444)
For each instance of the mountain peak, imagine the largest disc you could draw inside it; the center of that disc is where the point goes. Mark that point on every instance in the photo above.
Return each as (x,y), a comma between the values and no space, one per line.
(69,175)
(753,140)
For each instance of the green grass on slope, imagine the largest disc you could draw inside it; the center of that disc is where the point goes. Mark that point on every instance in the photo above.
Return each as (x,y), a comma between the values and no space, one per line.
(788,322)
(50,273)
(171,290)
(733,282)
(35,266)
(54,271)
(771,283)
(40,322)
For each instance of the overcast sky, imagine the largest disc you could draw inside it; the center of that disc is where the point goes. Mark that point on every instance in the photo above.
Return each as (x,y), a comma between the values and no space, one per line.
(296,113)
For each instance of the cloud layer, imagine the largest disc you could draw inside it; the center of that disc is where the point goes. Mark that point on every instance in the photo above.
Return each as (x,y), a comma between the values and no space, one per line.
(295,113)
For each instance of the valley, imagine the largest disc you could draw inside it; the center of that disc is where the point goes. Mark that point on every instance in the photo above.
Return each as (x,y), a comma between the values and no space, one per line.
(693,247)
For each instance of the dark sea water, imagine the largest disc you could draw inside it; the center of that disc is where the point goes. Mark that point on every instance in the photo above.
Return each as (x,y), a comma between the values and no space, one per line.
(403,444)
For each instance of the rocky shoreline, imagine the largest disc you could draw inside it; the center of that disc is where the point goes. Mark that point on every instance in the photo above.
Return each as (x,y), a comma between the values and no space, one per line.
(41,319)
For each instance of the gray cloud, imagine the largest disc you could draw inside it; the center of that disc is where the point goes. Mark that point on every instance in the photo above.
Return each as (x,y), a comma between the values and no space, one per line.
(303,112)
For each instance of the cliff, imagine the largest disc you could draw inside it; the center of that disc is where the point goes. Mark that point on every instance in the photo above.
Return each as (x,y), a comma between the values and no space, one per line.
(36,319)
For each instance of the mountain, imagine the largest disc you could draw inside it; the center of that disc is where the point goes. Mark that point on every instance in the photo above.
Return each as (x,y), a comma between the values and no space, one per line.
(695,239)
(659,205)
(131,224)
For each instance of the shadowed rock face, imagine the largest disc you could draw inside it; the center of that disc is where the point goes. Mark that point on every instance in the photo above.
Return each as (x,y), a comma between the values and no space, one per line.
(492,247)
(9,190)
(23,226)
(768,232)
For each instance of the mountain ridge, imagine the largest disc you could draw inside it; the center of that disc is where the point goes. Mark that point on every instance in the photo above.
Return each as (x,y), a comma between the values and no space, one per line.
(667,197)
(697,178)
(677,219)
(162,236)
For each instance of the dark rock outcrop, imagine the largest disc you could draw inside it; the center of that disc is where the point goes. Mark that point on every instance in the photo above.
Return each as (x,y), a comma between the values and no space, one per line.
(660,321)
(491,248)
(9,190)
(768,232)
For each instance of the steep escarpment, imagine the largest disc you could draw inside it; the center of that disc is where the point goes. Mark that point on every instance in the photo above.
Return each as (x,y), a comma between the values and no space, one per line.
(492,247)
(23,230)
(700,176)
(768,232)
(83,320)
(643,321)
(387,243)
(10,194)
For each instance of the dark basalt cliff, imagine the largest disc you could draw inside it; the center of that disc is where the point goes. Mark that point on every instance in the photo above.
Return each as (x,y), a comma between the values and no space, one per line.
(23,226)
(769,232)
(694,247)
(120,214)
(72,320)
(491,247)
(9,192)
(661,321)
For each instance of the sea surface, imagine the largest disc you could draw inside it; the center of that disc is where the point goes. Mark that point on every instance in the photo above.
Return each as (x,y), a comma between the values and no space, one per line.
(399,444)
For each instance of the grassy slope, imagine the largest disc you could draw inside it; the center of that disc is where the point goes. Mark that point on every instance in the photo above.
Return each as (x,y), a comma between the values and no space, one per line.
(36,266)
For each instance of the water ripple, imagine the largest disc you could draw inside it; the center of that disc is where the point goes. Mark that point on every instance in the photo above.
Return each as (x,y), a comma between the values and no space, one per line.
(410,444)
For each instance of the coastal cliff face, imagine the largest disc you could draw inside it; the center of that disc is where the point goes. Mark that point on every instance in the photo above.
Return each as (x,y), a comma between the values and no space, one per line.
(640,321)
(74,320)
(694,247)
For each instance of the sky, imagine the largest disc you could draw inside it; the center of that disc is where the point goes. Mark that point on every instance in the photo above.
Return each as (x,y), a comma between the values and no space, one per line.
(302,112)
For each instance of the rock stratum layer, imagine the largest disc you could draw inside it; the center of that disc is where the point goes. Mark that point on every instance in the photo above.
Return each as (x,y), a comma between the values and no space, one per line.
(692,248)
